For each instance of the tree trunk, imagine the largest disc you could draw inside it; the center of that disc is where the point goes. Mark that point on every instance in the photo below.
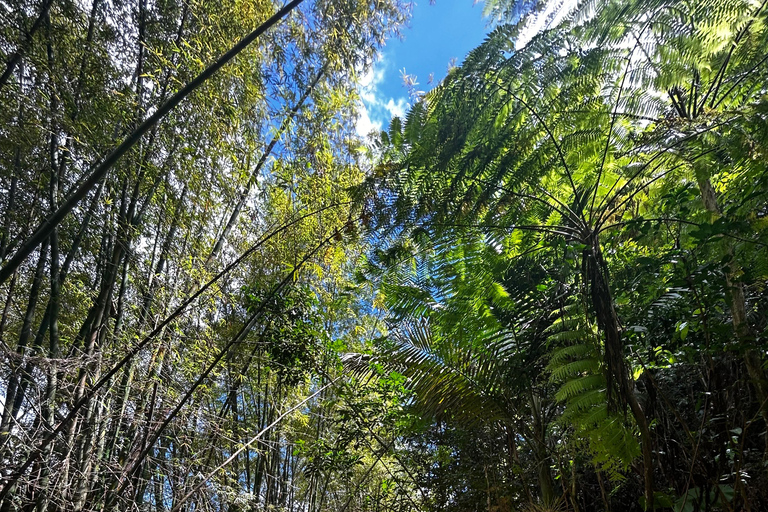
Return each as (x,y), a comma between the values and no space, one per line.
(738,305)
(617,373)
(102,168)
(14,396)
(539,445)
(25,44)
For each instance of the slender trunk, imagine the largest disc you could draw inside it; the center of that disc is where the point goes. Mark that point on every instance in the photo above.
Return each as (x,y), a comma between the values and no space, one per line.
(18,379)
(573,488)
(237,425)
(102,168)
(606,503)
(26,43)
(738,305)
(515,461)
(539,445)
(52,316)
(95,483)
(86,54)
(64,270)
(7,306)
(94,328)
(11,209)
(255,172)
(149,296)
(617,374)
(118,421)
(81,477)
(97,425)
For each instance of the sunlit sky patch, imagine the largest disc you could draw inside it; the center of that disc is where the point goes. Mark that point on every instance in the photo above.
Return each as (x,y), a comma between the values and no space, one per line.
(438,35)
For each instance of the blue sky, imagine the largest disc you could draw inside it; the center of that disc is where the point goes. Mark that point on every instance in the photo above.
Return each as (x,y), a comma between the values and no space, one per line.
(436,35)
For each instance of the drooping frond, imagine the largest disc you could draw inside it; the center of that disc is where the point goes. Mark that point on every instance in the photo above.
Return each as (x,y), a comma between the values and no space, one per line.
(576,365)
(451,379)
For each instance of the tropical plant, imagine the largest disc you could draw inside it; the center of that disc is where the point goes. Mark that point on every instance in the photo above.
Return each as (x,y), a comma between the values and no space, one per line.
(128,344)
(571,148)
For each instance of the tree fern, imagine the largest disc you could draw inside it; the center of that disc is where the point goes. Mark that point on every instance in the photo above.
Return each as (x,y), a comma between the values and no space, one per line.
(575,364)
(554,146)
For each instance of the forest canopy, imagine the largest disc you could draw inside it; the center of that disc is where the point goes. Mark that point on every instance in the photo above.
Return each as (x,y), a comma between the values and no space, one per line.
(541,289)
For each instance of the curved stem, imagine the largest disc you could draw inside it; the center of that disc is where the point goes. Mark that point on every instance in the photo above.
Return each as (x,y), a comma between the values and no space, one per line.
(92,390)
(653,159)
(743,77)
(566,211)
(101,169)
(613,122)
(529,227)
(559,150)
(608,213)
(715,86)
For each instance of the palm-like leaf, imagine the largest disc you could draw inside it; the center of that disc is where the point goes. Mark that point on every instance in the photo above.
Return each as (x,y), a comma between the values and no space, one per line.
(547,148)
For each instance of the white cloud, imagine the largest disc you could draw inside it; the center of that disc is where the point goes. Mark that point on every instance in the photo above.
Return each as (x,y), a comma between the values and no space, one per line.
(375,110)
(365,124)
(397,109)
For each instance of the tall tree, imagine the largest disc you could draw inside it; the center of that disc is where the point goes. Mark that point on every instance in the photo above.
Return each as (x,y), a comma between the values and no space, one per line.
(557,148)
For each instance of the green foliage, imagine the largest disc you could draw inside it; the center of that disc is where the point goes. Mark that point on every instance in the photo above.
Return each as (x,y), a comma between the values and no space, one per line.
(179,316)
(559,257)
(575,364)
(597,193)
